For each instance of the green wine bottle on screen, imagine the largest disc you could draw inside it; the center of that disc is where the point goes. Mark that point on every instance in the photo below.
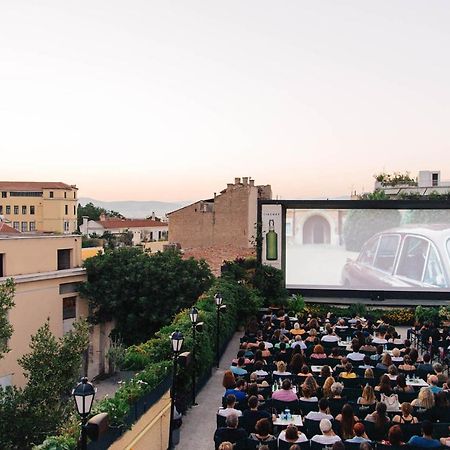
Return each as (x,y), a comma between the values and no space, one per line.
(271,243)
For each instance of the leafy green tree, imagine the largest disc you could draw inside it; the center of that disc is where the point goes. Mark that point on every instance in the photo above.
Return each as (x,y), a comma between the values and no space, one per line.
(52,367)
(7,290)
(94,212)
(142,292)
(267,280)
(126,238)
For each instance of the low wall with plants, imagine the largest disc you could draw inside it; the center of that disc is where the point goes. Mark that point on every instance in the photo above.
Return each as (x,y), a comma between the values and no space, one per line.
(152,361)
(394,316)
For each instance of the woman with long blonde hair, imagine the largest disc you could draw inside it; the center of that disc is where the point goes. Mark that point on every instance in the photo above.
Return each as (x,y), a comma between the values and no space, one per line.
(367,396)
(425,399)
(326,389)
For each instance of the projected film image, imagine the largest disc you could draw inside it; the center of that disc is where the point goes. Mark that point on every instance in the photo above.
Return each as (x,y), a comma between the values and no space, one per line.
(368,249)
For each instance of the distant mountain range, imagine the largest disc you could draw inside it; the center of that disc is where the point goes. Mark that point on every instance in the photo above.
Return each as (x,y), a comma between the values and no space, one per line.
(136,209)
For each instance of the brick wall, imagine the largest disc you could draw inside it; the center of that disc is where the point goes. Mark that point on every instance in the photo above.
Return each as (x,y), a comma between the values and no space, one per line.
(227,220)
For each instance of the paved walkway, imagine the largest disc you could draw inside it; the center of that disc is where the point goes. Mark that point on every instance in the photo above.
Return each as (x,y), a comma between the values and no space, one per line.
(199,424)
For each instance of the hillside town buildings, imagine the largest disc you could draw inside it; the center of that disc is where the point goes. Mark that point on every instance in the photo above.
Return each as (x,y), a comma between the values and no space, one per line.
(143,230)
(39,206)
(47,271)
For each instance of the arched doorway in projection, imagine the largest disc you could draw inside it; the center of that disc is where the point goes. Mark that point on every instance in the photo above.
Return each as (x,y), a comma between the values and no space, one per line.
(316,230)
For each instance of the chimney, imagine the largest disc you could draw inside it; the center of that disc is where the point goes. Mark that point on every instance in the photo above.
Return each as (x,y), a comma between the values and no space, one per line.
(237,180)
(85,225)
(102,217)
(245,180)
(252,182)
(153,215)
(230,185)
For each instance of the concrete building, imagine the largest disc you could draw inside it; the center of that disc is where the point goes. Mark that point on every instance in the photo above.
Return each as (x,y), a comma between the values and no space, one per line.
(47,271)
(39,206)
(144,230)
(426,183)
(228,219)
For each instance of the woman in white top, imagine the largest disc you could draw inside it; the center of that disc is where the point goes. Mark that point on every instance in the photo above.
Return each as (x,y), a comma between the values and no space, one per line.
(396,355)
(281,369)
(328,436)
(292,435)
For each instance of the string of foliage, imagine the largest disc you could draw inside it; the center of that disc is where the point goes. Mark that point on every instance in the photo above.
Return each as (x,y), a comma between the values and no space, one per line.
(153,358)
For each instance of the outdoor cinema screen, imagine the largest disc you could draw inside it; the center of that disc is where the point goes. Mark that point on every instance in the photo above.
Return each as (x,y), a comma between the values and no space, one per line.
(368,249)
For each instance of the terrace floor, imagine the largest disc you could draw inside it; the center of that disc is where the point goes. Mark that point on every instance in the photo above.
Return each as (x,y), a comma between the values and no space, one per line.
(199,424)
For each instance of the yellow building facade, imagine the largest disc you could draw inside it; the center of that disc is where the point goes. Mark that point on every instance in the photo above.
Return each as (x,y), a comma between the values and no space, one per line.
(39,206)
(47,271)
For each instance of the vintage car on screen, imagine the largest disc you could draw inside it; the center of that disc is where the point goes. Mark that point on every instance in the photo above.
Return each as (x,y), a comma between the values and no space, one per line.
(410,257)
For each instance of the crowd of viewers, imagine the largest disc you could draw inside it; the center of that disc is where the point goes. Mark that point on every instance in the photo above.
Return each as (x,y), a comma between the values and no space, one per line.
(350,382)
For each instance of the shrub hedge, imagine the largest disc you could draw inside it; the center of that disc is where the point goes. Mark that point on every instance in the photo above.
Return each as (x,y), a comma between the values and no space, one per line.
(153,358)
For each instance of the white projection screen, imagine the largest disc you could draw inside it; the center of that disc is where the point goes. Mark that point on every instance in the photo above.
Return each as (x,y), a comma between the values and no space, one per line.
(368,249)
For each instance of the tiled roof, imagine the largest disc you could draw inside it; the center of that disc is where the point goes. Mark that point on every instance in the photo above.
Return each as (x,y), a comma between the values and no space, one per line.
(6,229)
(130,223)
(32,185)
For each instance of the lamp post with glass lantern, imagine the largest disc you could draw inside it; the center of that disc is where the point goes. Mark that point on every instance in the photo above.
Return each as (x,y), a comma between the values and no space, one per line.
(176,340)
(196,326)
(83,395)
(220,308)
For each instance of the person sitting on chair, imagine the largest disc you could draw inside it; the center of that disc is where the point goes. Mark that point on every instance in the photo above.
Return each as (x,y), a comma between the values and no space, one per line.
(285,394)
(239,369)
(323,413)
(359,434)
(262,431)
(426,440)
(395,437)
(328,436)
(230,409)
(401,384)
(348,373)
(331,335)
(433,382)
(292,435)
(230,433)
(355,355)
(281,369)
(439,371)
(253,414)
(425,366)
(239,390)
(307,394)
(406,415)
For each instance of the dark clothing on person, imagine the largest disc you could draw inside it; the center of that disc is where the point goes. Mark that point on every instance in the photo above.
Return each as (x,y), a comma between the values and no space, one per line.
(232,435)
(251,417)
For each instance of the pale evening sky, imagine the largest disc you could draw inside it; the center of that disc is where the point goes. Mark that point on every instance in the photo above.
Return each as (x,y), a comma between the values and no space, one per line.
(170,100)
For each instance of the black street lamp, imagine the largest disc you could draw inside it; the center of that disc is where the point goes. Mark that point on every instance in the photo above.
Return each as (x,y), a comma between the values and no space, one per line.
(176,340)
(196,326)
(83,395)
(220,308)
